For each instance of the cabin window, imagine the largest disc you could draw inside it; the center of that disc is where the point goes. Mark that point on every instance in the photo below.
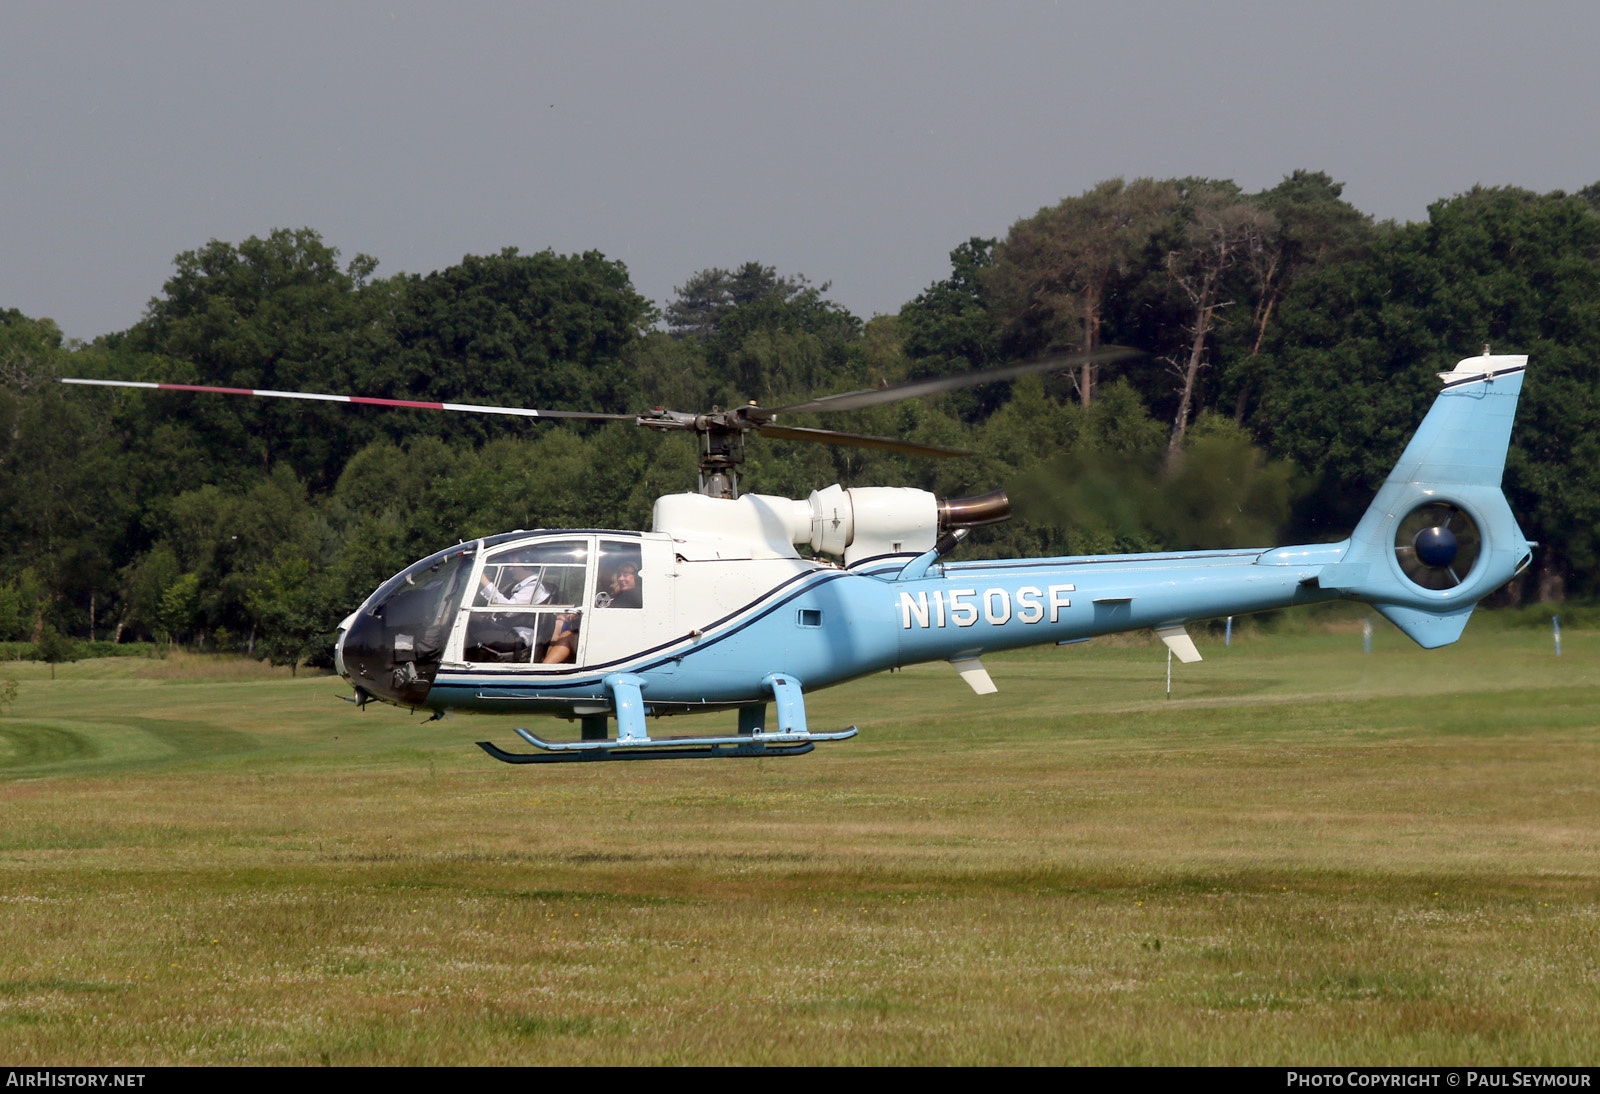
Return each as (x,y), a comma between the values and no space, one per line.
(539,574)
(811,617)
(527,606)
(620,583)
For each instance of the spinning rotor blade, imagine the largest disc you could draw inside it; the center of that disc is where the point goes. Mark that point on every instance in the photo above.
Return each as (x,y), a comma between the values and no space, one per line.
(855,400)
(469,408)
(860,440)
(721,432)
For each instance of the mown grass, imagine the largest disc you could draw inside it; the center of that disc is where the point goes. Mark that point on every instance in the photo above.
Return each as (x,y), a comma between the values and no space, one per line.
(1306,855)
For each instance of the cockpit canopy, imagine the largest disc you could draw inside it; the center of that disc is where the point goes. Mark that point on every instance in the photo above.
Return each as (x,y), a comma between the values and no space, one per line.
(396,640)
(519,598)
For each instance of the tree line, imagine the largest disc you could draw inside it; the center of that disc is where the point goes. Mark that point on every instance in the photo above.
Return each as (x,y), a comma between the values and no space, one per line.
(1289,345)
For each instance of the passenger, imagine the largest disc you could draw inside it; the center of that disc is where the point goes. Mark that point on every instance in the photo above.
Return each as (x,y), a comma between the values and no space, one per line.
(621,589)
(564,644)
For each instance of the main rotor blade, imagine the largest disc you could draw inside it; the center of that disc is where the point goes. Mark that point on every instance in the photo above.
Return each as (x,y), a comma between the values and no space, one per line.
(468,408)
(860,440)
(855,400)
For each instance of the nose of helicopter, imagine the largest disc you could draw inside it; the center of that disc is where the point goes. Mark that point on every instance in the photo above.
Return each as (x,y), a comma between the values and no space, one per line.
(363,693)
(390,648)
(382,662)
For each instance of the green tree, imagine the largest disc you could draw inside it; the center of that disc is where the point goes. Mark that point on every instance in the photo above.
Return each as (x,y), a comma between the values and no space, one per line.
(66,510)
(765,337)
(1224,492)
(702,303)
(178,614)
(278,313)
(292,615)
(1311,224)
(949,324)
(671,372)
(1116,490)
(224,538)
(547,331)
(21,607)
(145,582)
(1053,274)
(53,648)
(950,328)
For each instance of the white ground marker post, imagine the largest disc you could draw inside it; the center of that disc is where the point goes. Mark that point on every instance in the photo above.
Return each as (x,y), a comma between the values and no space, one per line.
(1366,635)
(1555,625)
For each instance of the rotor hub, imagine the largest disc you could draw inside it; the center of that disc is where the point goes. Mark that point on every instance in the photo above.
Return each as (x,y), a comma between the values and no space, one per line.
(1436,546)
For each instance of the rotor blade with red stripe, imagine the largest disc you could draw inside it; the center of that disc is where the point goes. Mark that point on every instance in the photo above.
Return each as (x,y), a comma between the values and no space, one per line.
(364,400)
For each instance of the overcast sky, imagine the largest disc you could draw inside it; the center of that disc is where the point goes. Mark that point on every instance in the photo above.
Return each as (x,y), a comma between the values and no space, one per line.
(856,143)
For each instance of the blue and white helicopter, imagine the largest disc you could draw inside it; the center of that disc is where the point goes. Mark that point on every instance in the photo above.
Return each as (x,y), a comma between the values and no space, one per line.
(715,608)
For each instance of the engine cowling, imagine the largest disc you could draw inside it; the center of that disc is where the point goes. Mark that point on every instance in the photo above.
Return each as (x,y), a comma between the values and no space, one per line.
(853,524)
(866,521)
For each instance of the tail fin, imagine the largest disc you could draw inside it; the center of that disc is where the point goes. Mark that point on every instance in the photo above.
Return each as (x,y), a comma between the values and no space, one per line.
(1440,536)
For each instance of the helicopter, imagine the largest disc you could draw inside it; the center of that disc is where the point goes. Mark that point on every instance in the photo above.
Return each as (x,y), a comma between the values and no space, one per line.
(715,608)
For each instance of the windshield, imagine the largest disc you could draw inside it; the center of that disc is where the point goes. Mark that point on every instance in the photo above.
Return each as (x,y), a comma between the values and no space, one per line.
(397,640)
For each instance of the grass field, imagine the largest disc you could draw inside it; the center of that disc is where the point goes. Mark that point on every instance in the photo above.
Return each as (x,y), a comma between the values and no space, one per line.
(1307,855)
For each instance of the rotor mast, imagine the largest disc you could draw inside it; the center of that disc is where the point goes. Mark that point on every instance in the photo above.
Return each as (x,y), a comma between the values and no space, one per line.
(721,454)
(721,436)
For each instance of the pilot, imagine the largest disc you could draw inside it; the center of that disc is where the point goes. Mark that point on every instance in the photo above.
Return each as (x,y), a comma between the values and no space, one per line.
(621,588)
(528,589)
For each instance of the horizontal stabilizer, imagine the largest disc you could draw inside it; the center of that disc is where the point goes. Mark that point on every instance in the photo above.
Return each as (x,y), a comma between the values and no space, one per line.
(1179,642)
(977,677)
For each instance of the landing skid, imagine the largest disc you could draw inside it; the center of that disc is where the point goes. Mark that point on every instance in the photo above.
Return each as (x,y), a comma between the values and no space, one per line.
(633,740)
(660,748)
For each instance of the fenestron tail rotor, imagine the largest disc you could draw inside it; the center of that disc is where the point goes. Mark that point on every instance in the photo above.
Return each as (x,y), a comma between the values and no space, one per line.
(1437,544)
(721,432)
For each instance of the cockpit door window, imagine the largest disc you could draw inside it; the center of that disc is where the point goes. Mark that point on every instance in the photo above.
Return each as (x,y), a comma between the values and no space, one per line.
(528,605)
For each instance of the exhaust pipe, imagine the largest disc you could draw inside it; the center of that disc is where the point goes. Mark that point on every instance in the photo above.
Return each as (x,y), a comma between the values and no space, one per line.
(990,508)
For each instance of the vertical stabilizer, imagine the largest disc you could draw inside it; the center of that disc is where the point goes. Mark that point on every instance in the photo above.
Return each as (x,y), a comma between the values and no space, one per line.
(1440,536)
